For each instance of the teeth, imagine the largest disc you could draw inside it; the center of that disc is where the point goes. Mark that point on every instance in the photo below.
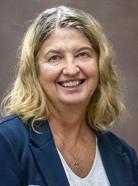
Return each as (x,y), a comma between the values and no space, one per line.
(71,83)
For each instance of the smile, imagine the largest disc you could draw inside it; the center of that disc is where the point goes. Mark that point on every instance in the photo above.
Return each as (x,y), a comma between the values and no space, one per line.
(71,84)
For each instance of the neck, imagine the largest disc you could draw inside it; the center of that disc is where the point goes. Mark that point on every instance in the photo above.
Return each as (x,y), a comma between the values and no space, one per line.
(68,125)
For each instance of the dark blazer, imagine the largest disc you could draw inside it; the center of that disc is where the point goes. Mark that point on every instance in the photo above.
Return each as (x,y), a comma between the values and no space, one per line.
(30,158)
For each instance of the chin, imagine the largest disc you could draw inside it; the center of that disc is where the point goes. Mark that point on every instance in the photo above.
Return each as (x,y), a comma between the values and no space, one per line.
(75,101)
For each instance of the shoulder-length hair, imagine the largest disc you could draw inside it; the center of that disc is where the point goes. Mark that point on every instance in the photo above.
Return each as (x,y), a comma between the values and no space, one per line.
(27,98)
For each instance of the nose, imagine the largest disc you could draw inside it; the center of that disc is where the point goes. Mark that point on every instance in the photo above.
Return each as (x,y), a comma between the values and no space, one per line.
(70,68)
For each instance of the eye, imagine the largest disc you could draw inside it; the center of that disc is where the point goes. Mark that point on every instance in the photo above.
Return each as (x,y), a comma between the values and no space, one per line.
(83,55)
(54,58)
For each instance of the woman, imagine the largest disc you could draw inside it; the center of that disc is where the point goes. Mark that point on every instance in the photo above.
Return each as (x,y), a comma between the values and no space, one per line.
(63,102)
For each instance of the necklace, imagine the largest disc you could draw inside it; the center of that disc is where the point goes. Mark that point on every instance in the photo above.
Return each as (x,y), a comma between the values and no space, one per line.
(76,164)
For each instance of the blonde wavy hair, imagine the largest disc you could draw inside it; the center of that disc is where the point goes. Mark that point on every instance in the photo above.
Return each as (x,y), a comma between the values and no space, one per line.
(27,98)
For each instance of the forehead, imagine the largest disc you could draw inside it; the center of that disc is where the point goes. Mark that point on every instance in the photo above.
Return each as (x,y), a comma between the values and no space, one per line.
(64,33)
(65,38)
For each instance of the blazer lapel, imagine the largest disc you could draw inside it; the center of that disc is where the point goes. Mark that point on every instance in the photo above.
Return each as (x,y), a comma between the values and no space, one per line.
(115,161)
(46,155)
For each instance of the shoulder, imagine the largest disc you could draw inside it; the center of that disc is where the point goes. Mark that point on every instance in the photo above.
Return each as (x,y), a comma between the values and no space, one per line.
(12,124)
(10,119)
(115,142)
(13,131)
(117,145)
(116,149)
(14,148)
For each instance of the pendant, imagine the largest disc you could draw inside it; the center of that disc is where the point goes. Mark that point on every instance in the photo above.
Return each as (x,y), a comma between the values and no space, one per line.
(76,164)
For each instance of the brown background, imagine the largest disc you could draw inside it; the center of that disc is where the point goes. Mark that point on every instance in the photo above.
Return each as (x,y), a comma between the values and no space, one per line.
(120,20)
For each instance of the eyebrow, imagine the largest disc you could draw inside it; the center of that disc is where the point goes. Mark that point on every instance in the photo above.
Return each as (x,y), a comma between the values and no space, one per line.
(85,48)
(59,50)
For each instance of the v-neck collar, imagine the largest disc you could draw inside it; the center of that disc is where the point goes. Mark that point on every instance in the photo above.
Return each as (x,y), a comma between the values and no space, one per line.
(115,161)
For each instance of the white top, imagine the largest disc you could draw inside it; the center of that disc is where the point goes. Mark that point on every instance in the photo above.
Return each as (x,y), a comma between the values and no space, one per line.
(96,177)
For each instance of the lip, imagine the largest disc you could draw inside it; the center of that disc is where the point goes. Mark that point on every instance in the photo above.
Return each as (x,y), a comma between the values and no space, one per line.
(71,83)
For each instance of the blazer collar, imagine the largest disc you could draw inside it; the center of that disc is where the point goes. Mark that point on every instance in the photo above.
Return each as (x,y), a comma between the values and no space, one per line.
(46,155)
(115,160)
(41,135)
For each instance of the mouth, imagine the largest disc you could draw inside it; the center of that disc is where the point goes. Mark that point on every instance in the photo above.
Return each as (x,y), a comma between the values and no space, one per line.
(71,83)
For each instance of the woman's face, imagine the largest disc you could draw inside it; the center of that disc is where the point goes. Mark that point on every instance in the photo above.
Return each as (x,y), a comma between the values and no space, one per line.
(68,68)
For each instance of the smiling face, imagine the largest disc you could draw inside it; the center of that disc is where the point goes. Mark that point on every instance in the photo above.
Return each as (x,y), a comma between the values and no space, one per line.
(68,69)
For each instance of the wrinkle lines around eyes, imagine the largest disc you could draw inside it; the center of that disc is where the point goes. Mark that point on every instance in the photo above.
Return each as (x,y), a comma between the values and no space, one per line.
(61,52)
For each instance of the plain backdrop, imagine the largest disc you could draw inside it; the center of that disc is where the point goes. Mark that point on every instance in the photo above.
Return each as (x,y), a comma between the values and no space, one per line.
(120,21)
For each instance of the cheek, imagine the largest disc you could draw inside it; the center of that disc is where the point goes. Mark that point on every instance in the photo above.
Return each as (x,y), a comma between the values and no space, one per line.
(91,70)
(46,74)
